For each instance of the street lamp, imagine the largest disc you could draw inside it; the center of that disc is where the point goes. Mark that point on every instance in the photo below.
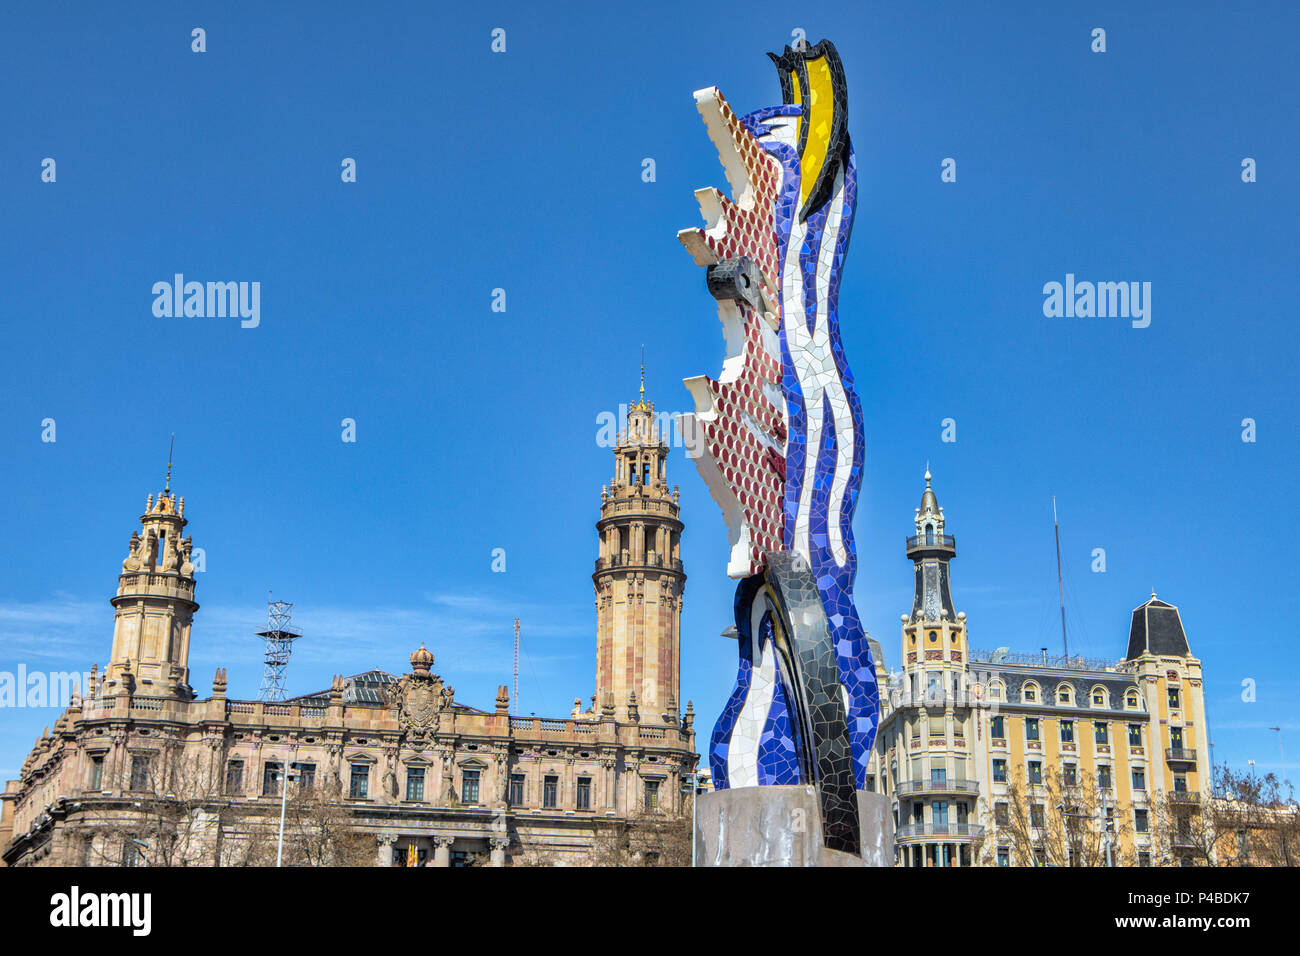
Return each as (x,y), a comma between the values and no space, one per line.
(1105,822)
(691,785)
(284,798)
(1281,750)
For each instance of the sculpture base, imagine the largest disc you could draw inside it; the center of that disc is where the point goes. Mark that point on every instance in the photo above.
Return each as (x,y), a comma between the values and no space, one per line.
(782,826)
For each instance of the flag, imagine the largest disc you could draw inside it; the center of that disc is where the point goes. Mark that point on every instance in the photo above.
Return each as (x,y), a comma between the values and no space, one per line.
(411,858)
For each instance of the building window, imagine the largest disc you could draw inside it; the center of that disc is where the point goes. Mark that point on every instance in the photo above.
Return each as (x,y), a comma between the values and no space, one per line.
(1031,728)
(652,795)
(234,776)
(1037,815)
(1063,694)
(1173,698)
(1069,775)
(1067,731)
(1101,732)
(1180,783)
(469,786)
(938,776)
(1103,777)
(997,727)
(1144,858)
(139,772)
(999,771)
(516,789)
(132,853)
(1035,771)
(995,690)
(1140,821)
(96,772)
(934,687)
(550,791)
(584,793)
(415,783)
(271,778)
(1139,779)
(1176,738)
(1135,735)
(1030,692)
(305,774)
(1132,700)
(360,784)
(1001,814)
(1098,697)
(1004,856)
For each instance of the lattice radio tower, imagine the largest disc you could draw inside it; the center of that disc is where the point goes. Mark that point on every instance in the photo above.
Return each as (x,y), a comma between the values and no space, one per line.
(514,697)
(279,637)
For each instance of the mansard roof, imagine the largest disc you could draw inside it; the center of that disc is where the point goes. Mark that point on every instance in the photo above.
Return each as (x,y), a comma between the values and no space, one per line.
(367,688)
(1157,629)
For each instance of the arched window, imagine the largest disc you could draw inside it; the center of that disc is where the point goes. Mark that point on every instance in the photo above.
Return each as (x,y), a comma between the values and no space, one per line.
(1029,692)
(995,690)
(1064,694)
(929,534)
(1131,700)
(1099,696)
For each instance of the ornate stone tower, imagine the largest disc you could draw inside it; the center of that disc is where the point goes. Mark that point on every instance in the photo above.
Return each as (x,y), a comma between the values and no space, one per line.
(638,578)
(155,605)
(930,741)
(930,551)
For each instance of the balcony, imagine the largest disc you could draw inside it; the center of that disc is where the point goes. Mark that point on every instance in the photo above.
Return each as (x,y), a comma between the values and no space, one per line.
(962,831)
(931,542)
(624,561)
(1180,755)
(910,787)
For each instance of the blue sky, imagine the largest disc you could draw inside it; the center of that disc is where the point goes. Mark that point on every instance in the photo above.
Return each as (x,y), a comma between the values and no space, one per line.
(477,429)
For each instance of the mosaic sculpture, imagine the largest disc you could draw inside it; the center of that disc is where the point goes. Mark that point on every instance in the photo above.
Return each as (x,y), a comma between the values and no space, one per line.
(781,444)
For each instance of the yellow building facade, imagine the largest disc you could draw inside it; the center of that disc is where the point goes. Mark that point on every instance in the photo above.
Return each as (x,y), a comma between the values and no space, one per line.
(1002,758)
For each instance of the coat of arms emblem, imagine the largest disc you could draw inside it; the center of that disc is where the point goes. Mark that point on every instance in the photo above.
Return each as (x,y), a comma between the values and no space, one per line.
(419,698)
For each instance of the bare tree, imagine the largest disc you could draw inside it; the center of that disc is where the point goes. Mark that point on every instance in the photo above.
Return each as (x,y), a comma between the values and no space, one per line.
(319,830)
(1058,822)
(176,817)
(647,839)
(1248,821)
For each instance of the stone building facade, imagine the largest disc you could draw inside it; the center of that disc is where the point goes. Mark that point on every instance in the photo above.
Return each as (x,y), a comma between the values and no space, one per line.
(141,760)
(969,737)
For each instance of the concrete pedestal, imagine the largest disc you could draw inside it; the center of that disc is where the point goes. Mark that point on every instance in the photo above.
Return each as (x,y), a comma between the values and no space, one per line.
(782,826)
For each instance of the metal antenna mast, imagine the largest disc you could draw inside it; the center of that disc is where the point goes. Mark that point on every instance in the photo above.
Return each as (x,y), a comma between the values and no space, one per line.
(514,695)
(279,637)
(1060,587)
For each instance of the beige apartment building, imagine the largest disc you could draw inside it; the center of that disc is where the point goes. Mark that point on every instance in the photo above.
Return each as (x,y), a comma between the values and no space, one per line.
(999,758)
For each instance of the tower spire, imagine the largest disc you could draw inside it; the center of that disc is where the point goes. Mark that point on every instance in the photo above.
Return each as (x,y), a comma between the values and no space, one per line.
(167,487)
(930,551)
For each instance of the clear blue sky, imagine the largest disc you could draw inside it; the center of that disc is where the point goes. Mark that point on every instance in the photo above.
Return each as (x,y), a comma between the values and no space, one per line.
(522,171)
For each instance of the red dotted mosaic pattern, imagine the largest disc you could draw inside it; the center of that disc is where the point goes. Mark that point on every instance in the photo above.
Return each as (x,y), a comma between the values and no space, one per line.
(750,232)
(753,470)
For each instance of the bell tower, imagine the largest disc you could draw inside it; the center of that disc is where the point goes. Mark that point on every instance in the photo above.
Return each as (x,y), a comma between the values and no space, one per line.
(930,551)
(154,605)
(639,579)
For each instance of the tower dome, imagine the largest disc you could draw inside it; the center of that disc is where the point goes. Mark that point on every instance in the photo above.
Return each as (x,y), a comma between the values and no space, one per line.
(421,659)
